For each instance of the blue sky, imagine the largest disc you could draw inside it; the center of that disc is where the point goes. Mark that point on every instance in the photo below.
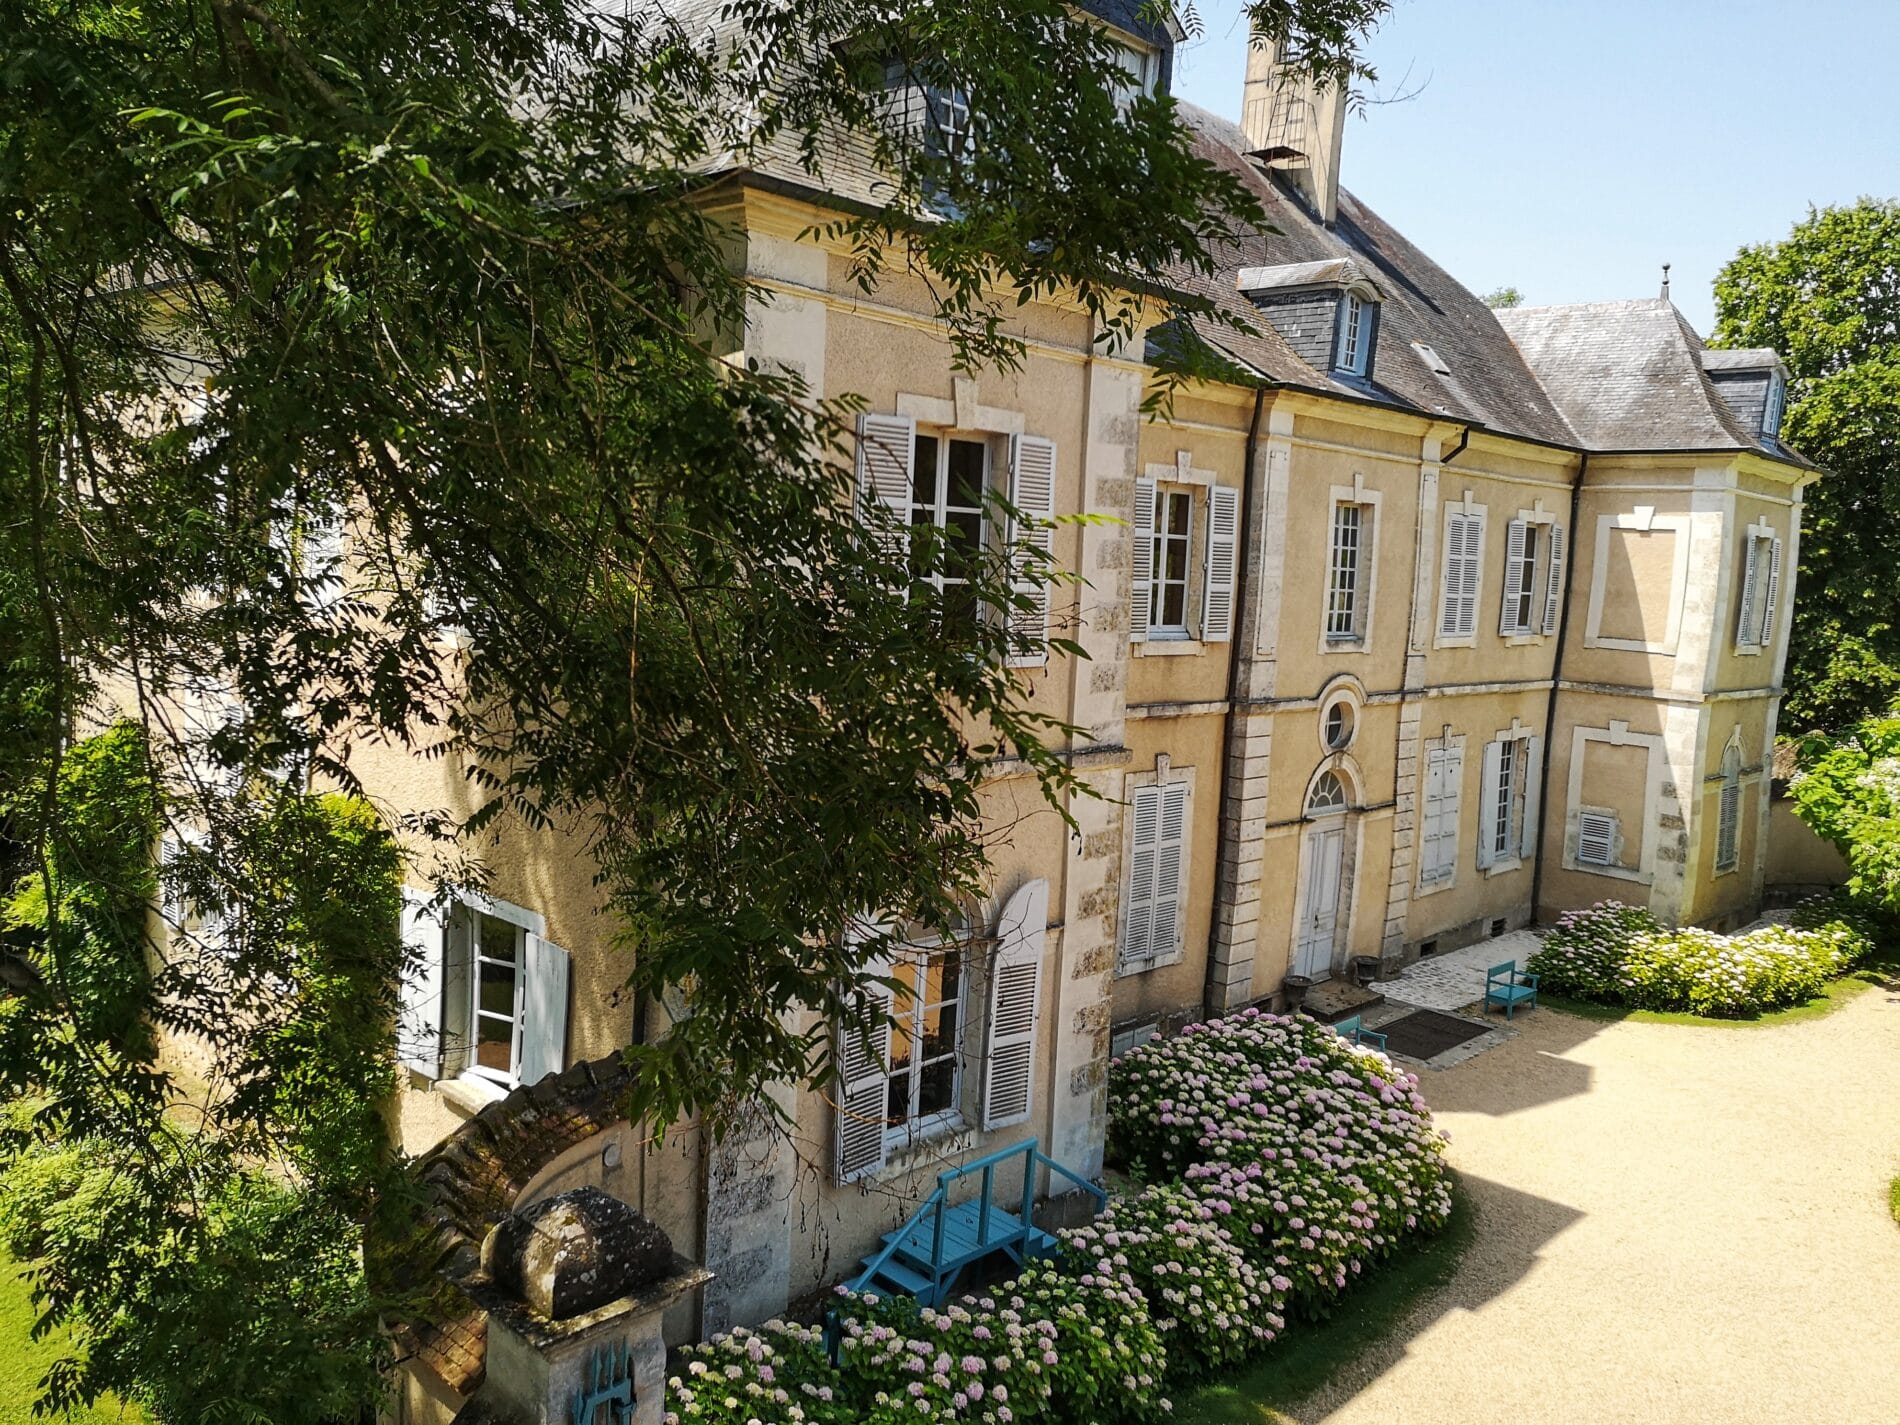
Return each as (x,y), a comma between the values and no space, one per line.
(1570,149)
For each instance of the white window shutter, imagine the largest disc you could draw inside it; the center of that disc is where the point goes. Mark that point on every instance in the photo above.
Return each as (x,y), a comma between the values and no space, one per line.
(1771,600)
(1454,803)
(1596,838)
(887,450)
(1141,590)
(1554,589)
(1533,774)
(1452,582)
(1728,827)
(1170,854)
(1009,1061)
(1138,899)
(1032,490)
(1516,554)
(1488,806)
(1431,841)
(1746,624)
(1223,562)
(419,1013)
(864,1057)
(544,1011)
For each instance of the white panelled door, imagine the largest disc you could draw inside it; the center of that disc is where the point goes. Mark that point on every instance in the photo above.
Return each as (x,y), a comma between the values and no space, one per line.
(1319,927)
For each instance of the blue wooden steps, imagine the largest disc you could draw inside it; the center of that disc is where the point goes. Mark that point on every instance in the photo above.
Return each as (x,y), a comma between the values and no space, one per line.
(924,1257)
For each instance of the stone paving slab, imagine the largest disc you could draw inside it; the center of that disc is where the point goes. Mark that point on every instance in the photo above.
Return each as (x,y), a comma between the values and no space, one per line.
(1455,979)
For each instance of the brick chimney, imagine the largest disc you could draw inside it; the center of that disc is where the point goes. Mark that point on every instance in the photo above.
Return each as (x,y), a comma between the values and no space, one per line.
(1294,126)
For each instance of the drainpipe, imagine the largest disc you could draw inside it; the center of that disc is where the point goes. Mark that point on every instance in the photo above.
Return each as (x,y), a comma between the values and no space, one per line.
(1243,601)
(1556,677)
(1411,628)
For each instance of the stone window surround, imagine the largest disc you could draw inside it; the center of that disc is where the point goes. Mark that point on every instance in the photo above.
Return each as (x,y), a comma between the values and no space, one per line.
(1762,529)
(468,1090)
(1183,473)
(1352,777)
(1718,780)
(1446,741)
(1540,577)
(1164,772)
(1521,804)
(1617,734)
(1644,518)
(1470,508)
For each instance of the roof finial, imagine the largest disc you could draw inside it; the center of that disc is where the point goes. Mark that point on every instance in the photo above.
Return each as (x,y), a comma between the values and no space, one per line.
(1665,289)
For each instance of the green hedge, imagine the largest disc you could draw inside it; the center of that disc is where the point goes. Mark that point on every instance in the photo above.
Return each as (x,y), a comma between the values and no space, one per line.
(1619,954)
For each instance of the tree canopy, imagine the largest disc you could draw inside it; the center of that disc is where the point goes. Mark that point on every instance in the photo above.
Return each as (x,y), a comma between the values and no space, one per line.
(439,278)
(1827,297)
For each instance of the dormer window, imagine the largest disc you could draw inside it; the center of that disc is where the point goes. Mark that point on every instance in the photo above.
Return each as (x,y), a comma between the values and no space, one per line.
(1774,407)
(1353,354)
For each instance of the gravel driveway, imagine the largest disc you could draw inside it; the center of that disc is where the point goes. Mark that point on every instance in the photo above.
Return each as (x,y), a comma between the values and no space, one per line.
(1674,1223)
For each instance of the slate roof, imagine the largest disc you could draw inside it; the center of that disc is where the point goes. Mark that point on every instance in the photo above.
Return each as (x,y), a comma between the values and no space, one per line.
(1740,358)
(1489,381)
(1596,376)
(1633,376)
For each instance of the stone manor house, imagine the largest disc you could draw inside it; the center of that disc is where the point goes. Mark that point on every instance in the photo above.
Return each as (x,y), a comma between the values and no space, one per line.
(1430,623)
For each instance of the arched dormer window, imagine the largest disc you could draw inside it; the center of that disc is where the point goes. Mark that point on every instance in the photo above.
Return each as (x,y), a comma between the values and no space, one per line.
(1328,796)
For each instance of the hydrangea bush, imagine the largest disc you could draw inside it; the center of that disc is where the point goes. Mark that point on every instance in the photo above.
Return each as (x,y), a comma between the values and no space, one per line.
(1281,1162)
(781,1374)
(1618,954)
(1209,1304)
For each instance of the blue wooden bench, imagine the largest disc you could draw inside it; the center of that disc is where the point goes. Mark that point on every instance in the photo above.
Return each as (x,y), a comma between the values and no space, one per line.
(1505,985)
(1355,1030)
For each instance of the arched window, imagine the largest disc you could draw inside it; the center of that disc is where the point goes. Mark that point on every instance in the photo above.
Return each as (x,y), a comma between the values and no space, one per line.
(1327,797)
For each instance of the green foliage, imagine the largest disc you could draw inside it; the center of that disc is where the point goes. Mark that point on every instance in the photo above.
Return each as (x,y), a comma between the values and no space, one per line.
(197,1215)
(251,1307)
(1503,297)
(467,296)
(1848,793)
(1828,298)
(1619,954)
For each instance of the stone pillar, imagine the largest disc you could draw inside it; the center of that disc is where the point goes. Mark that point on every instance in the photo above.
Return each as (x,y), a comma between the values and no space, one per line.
(577,1292)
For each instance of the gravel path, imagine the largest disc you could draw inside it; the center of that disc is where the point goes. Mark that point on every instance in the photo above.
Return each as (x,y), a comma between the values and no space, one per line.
(1674,1224)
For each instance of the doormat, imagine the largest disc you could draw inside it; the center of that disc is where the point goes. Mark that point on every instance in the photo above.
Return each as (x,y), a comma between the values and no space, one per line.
(1425,1034)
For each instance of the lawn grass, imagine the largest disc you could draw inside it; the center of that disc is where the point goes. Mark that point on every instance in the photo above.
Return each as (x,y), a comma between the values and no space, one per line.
(23,1361)
(1310,1353)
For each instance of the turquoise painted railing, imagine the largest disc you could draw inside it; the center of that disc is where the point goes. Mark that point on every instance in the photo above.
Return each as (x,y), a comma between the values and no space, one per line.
(927,1253)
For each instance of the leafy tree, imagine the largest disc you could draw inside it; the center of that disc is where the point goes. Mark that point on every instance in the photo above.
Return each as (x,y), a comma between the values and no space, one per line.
(1827,298)
(1503,297)
(197,1202)
(1848,792)
(444,277)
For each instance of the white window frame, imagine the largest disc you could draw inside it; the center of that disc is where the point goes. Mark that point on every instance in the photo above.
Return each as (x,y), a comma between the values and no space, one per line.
(914,961)
(1510,784)
(1461,576)
(1352,352)
(1774,406)
(938,509)
(1162,539)
(1211,555)
(1366,582)
(1531,605)
(526,923)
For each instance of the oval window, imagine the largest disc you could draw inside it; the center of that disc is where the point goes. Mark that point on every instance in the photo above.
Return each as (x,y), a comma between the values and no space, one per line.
(1338,726)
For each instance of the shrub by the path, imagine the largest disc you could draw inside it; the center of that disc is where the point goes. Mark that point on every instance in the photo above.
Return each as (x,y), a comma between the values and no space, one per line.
(1619,954)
